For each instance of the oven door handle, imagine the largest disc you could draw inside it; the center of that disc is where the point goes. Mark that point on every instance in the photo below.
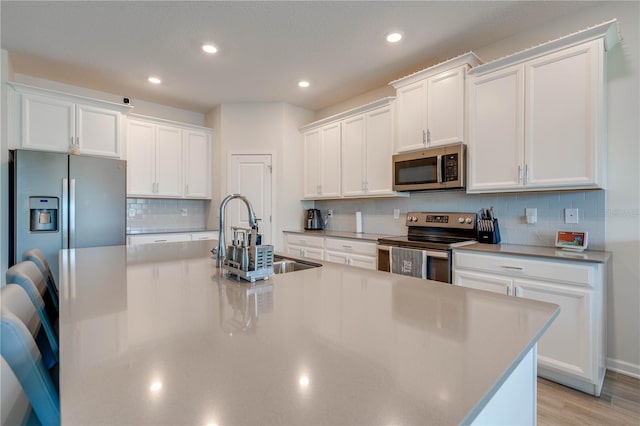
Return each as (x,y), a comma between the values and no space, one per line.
(437,254)
(439,168)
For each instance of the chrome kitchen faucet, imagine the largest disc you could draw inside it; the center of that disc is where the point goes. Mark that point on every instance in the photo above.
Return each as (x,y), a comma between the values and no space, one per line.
(221,252)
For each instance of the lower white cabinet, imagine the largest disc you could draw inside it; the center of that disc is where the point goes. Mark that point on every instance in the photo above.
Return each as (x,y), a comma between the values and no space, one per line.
(362,254)
(572,350)
(133,240)
(305,246)
(351,252)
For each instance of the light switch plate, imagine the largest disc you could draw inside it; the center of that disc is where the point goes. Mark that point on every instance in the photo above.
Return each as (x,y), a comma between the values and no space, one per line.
(570,215)
(531,215)
(396,213)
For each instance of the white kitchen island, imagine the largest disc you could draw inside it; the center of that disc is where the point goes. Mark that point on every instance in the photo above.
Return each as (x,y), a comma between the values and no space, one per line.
(154,334)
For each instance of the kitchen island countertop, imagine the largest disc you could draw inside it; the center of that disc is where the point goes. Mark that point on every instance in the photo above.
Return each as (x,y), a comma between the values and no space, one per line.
(147,340)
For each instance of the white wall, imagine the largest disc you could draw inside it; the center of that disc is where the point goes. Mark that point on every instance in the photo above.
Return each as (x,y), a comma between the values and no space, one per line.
(262,128)
(6,73)
(618,218)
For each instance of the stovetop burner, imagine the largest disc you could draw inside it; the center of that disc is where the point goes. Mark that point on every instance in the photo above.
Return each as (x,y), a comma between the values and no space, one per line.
(439,231)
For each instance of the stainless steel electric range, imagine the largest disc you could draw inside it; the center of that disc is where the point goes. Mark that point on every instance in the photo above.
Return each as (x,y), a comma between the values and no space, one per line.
(426,250)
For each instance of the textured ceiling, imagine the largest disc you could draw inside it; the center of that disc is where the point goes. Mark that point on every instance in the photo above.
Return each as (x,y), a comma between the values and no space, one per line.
(265,47)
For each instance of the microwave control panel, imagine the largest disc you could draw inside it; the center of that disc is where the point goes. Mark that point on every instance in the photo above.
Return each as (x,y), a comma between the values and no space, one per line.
(450,167)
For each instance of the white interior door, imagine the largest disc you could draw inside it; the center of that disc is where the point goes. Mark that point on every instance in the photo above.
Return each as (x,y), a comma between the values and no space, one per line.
(250,175)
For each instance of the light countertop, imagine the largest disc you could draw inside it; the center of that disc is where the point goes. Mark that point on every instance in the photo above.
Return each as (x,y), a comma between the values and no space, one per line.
(170,231)
(590,256)
(341,234)
(146,340)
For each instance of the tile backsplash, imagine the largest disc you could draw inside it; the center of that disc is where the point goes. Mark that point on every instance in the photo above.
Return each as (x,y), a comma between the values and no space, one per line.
(509,209)
(147,215)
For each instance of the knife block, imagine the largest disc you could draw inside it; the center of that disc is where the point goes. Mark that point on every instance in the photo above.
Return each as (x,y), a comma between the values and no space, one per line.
(491,236)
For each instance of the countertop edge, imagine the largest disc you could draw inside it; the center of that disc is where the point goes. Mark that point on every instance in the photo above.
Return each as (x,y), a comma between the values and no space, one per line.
(475,411)
(587,256)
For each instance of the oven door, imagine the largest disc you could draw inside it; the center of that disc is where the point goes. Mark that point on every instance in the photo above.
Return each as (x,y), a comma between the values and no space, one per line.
(426,264)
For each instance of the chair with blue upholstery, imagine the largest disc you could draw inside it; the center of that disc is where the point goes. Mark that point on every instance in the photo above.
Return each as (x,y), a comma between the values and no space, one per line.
(19,350)
(37,256)
(24,274)
(15,408)
(15,300)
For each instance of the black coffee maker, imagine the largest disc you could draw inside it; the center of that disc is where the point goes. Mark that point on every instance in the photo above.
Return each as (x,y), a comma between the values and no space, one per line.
(313,221)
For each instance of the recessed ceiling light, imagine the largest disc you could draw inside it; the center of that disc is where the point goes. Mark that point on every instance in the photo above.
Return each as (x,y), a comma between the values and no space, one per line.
(154,80)
(303,83)
(209,48)
(393,37)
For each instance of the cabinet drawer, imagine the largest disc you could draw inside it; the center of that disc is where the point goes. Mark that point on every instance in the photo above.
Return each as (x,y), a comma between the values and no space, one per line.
(514,266)
(212,235)
(351,246)
(305,240)
(158,238)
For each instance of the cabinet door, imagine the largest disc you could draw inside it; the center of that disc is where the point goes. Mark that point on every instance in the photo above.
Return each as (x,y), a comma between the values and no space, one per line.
(379,149)
(336,257)
(198,164)
(48,124)
(360,261)
(353,156)
(168,161)
(411,102)
(99,131)
(445,107)
(486,282)
(140,158)
(496,130)
(312,164)
(330,161)
(567,345)
(564,93)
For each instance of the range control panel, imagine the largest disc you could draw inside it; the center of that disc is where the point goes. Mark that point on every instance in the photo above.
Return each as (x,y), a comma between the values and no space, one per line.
(442,220)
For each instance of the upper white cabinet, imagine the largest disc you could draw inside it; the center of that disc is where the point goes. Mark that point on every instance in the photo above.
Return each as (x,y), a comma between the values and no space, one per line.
(349,154)
(322,162)
(167,160)
(52,121)
(366,153)
(430,105)
(536,119)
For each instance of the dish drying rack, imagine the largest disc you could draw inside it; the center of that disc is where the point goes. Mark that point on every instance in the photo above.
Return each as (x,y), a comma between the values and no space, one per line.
(247,259)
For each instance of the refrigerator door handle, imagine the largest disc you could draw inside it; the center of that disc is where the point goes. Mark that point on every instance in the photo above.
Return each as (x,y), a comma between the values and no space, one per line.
(63,213)
(72,213)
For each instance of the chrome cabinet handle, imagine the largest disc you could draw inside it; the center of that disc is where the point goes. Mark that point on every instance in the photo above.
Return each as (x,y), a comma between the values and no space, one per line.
(519,173)
(428,136)
(526,173)
(424,137)
(515,268)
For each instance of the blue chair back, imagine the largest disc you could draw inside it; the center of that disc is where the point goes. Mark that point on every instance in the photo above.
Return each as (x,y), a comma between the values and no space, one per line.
(19,350)
(36,256)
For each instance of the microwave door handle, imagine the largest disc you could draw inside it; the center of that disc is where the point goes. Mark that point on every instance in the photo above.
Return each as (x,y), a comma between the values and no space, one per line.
(439,168)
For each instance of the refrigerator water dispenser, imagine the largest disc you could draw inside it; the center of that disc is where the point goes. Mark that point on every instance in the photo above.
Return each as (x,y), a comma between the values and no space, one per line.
(44,214)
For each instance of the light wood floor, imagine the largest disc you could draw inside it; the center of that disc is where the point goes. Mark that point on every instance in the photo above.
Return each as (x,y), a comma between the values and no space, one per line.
(619,403)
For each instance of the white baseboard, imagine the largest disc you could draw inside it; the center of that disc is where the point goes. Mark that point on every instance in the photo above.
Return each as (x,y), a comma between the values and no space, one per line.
(623,367)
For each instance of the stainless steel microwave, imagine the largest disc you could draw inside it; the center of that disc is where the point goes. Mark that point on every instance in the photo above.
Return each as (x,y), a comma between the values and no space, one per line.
(432,168)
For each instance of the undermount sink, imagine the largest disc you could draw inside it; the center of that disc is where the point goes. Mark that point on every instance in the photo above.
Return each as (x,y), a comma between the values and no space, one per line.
(283,265)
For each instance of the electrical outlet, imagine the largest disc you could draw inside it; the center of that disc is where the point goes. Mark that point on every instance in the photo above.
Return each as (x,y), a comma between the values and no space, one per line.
(330,212)
(570,215)
(185,212)
(532,215)
(396,213)
(132,212)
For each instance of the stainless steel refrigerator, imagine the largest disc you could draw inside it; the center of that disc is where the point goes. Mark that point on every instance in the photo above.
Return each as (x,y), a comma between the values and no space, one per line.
(64,201)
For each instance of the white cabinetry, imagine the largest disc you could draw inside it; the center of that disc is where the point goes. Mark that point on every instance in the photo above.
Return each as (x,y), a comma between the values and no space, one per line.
(51,121)
(305,246)
(536,118)
(349,154)
(168,161)
(133,240)
(430,105)
(322,162)
(572,349)
(366,153)
(350,252)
